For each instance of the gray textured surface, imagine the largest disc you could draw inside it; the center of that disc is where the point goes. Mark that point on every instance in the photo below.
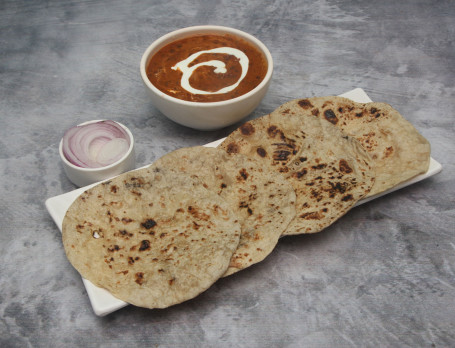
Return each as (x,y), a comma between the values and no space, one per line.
(383,275)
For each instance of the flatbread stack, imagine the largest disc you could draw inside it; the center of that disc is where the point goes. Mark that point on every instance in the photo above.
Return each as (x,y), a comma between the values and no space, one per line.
(161,235)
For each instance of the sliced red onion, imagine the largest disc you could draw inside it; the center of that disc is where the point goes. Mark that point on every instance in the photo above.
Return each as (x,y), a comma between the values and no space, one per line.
(95,145)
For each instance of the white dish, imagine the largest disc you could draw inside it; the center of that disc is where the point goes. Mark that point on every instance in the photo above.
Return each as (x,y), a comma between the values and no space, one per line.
(85,176)
(200,115)
(104,303)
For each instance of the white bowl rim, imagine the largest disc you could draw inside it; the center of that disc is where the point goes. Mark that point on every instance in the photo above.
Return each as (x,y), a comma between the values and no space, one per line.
(99,169)
(207,28)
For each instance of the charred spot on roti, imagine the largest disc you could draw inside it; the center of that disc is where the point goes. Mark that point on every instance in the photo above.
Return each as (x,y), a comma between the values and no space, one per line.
(139,277)
(113,248)
(319,166)
(124,234)
(232,148)
(145,245)
(284,145)
(375,112)
(135,182)
(246,205)
(127,220)
(247,129)
(198,214)
(314,215)
(344,167)
(305,104)
(148,224)
(243,175)
(281,155)
(347,198)
(338,187)
(388,151)
(316,194)
(330,116)
(133,259)
(283,150)
(369,142)
(261,152)
(299,174)
(273,131)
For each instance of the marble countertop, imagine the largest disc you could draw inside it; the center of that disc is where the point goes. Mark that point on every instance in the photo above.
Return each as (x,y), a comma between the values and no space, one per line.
(383,275)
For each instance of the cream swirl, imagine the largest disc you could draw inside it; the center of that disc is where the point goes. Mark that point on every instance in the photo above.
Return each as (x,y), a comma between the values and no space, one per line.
(220,68)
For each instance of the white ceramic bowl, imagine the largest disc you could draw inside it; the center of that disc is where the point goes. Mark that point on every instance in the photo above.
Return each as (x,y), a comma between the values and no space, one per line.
(211,115)
(86,176)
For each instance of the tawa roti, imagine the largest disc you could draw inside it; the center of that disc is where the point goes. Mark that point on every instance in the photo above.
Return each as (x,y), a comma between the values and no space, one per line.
(329,170)
(151,237)
(263,201)
(398,150)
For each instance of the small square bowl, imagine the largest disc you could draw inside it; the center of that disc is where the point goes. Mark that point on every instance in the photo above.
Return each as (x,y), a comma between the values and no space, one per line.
(206,115)
(85,176)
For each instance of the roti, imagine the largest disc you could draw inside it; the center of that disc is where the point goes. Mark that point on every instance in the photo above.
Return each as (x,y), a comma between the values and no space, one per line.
(263,201)
(151,237)
(399,152)
(329,170)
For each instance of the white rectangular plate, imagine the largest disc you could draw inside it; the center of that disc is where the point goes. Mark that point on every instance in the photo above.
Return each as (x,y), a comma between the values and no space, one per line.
(103,302)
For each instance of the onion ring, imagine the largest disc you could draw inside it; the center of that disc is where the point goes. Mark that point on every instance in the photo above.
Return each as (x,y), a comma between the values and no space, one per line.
(95,145)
